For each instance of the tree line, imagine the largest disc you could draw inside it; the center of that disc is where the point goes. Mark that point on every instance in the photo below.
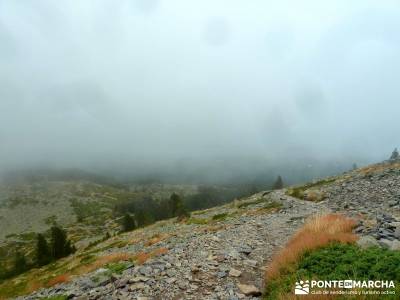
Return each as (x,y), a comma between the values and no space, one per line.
(144,210)
(45,252)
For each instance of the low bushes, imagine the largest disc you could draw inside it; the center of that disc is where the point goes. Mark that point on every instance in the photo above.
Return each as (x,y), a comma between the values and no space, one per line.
(324,249)
(338,262)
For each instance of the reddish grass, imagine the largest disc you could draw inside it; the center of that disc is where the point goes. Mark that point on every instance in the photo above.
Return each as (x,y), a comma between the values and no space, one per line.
(33,286)
(142,257)
(159,251)
(319,231)
(58,279)
(155,239)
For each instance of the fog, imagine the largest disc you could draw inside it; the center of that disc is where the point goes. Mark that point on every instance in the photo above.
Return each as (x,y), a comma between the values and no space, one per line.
(180,85)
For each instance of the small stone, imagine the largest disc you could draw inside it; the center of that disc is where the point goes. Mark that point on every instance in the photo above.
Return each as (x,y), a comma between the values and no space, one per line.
(145,271)
(170,280)
(221,274)
(245,250)
(391,245)
(367,242)
(249,262)
(139,279)
(171,272)
(215,238)
(249,290)
(182,285)
(234,273)
(137,286)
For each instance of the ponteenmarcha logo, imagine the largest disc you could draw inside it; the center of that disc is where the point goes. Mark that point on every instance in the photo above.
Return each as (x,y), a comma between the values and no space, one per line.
(302,288)
(353,287)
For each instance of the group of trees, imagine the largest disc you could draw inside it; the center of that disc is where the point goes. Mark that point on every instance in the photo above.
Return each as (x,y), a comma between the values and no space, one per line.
(59,246)
(145,211)
(45,253)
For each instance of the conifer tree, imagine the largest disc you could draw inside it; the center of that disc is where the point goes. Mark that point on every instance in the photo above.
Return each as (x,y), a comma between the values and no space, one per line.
(177,207)
(20,264)
(60,246)
(43,256)
(278,183)
(395,154)
(128,223)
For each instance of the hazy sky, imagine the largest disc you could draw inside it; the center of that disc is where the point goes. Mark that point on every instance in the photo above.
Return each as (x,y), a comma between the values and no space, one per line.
(163,80)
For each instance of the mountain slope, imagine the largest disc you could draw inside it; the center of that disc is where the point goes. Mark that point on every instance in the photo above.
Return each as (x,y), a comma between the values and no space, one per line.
(220,252)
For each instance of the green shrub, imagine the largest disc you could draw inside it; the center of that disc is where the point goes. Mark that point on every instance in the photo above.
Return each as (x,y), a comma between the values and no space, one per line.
(220,217)
(339,262)
(197,221)
(248,203)
(273,204)
(117,268)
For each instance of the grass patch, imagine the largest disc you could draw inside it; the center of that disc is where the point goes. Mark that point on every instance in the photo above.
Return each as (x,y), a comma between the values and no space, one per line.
(310,191)
(197,221)
(338,262)
(272,205)
(248,203)
(102,261)
(220,217)
(87,259)
(116,268)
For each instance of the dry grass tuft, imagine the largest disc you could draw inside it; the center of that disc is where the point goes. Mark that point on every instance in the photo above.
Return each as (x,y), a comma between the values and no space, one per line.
(159,251)
(379,168)
(142,257)
(319,231)
(58,279)
(155,239)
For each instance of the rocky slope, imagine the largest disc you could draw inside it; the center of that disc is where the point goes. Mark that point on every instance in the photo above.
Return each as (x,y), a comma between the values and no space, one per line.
(221,253)
(219,260)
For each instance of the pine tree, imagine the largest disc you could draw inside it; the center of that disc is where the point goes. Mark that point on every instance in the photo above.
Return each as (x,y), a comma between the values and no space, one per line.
(278,183)
(175,204)
(20,264)
(143,218)
(128,223)
(178,209)
(60,246)
(395,154)
(42,251)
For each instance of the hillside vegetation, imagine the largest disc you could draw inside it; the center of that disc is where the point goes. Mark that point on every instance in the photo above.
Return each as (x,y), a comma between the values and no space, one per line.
(221,251)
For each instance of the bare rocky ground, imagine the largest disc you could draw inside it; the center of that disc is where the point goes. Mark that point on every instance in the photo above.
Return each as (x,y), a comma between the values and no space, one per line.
(226,259)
